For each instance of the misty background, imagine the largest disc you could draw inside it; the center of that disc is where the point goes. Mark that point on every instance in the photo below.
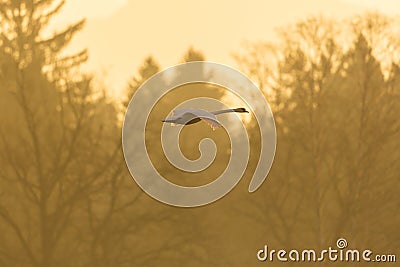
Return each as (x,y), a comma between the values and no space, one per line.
(66,196)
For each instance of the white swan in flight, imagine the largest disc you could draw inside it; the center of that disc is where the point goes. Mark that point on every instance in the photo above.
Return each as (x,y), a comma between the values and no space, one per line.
(192,115)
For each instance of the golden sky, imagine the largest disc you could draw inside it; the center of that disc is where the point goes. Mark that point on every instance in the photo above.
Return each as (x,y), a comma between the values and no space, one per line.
(121,33)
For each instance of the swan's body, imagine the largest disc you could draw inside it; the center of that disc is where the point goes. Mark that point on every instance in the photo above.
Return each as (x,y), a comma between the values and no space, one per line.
(191,115)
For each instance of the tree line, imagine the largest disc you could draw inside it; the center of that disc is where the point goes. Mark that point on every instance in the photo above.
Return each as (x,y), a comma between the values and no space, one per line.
(67,199)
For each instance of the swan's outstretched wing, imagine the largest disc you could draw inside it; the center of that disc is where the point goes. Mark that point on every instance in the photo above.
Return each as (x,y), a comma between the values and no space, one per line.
(214,124)
(207,117)
(177,112)
(191,113)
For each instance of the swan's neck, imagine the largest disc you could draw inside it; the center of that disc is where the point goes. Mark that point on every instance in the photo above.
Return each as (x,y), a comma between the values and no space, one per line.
(228,110)
(223,111)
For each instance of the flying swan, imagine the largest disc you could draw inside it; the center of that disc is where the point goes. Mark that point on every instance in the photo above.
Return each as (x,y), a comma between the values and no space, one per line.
(192,115)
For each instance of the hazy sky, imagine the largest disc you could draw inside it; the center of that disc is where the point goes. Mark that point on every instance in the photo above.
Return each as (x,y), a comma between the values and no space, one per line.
(121,33)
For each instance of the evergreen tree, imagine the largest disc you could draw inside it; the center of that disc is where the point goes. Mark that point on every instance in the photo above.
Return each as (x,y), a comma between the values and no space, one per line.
(193,55)
(368,128)
(55,150)
(148,68)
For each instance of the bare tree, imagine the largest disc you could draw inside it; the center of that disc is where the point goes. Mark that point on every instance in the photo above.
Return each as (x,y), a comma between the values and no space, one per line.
(333,107)
(55,145)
